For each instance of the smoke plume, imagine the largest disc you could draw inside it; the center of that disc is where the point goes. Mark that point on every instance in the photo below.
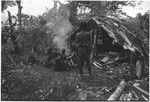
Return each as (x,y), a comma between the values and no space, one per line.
(57,21)
(61,31)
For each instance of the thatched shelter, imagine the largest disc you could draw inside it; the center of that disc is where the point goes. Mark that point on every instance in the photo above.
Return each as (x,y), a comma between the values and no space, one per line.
(117,30)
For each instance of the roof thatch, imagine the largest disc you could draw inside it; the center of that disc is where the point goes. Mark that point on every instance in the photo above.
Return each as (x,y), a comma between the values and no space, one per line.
(121,34)
(125,37)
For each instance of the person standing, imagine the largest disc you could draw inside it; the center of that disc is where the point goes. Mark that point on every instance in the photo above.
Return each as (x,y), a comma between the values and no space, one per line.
(84,47)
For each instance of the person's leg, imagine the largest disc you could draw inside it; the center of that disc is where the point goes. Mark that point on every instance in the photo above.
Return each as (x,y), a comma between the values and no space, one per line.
(81,64)
(87,60)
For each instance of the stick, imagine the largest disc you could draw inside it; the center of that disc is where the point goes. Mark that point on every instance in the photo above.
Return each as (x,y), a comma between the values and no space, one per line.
(141,89)
(144,98)
(135,95)
(97,64)
(49,92)
(116,95)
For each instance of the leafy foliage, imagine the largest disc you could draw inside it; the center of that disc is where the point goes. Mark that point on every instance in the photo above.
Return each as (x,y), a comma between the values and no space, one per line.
(33,35)
(97,8)
(139,27)
(36,36)
(5,4)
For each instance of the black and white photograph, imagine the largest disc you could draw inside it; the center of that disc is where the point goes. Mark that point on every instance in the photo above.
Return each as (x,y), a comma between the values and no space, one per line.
(75,50)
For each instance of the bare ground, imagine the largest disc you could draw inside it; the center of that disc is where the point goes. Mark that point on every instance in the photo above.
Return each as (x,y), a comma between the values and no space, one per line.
(26,83)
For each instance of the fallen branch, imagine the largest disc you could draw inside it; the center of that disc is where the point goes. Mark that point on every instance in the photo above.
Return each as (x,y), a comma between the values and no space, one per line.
(50,91)
(97,64)
(116,95)
(137,98)
(144,98)
(136,86)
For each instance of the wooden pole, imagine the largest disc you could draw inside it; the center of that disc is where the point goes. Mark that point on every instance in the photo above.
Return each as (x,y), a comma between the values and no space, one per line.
(93,47)
(145,92)
(117,93)
(9,18)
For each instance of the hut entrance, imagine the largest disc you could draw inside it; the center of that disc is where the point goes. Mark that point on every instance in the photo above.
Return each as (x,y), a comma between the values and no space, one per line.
(106,44)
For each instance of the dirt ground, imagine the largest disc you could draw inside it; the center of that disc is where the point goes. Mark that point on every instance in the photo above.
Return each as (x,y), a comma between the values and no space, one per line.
(34,83)
(40,83)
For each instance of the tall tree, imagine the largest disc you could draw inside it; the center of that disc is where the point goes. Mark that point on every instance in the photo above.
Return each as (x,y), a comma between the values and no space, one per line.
(19,12)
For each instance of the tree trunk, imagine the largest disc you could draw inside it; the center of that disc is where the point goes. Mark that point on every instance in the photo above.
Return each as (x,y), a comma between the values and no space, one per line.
(19,13)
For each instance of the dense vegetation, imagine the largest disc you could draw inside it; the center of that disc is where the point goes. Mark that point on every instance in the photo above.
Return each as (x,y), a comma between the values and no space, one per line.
(31,36)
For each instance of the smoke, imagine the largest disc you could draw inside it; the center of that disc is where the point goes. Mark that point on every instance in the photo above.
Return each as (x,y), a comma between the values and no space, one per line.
(61,31)
(58,25)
